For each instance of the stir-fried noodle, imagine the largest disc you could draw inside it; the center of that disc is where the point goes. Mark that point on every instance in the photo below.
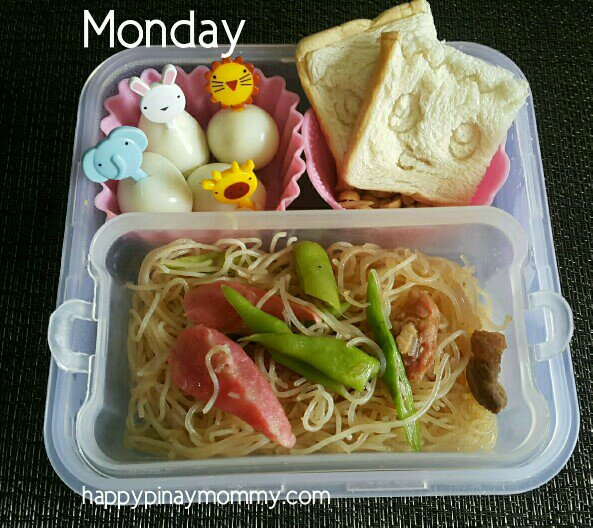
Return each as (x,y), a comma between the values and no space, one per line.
(164,421)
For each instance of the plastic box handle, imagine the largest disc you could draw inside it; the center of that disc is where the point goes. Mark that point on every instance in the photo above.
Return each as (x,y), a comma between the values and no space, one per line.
(59,335)
(562,323)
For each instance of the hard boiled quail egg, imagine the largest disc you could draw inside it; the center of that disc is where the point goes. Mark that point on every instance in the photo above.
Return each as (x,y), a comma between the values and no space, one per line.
(164,190)
(250,133)
(183,142)
(204,200)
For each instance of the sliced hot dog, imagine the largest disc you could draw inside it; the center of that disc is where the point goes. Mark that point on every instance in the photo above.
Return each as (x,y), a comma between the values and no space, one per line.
(206,304)
(243,390)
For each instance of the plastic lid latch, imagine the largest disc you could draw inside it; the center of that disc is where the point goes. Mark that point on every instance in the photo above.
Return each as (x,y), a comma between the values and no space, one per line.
(59,334)
(559,327)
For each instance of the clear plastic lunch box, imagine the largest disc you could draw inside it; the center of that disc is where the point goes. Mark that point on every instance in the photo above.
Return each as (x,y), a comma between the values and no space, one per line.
(510,245)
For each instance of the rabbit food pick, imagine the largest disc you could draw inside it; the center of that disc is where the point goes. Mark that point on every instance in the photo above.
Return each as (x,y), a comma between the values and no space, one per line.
(171,131)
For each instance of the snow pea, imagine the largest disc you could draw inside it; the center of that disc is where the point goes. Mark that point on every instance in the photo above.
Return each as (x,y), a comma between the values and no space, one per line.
(315,272)
(395,372)
(261,322)
(331,356)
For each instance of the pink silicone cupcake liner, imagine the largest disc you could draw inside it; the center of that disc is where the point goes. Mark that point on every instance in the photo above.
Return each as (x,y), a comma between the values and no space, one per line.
(321,167)
(280,176)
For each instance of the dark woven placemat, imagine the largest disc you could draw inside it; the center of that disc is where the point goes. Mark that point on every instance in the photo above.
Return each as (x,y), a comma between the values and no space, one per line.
(43,68)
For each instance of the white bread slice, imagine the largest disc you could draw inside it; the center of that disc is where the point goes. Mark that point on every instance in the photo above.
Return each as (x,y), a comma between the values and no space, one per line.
(336,66)
(432,122)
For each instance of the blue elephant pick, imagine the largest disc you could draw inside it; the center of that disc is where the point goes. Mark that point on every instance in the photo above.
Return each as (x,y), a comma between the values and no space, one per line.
(116,157)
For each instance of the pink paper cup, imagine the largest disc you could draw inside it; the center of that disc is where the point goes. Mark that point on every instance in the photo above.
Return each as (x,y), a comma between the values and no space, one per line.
(280,176)
(321,167)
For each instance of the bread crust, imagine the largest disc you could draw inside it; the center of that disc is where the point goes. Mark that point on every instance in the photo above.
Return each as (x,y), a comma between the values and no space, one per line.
(400,12)
(336,35)
(313,43)
(388,42)
(351,28)
(330,36)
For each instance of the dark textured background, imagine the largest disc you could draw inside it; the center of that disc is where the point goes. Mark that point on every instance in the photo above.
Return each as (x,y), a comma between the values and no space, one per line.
(43,66)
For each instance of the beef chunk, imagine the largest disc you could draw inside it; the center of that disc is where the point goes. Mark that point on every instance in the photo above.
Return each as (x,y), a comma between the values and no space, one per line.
(483,370)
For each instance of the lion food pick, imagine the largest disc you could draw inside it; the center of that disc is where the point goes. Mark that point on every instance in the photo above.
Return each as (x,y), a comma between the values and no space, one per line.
(241,130)
(232,83)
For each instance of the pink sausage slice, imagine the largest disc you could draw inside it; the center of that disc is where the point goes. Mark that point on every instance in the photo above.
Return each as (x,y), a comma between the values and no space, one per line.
(207,305)
(243,390)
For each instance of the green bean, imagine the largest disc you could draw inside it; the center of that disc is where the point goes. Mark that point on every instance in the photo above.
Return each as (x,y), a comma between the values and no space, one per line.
(257,320)
(315,272)
(261,322)
(309,372)
(395,372)
(331,356)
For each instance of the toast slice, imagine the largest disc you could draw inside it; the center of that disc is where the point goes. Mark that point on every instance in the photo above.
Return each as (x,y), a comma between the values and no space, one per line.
(432,122)
(336,65)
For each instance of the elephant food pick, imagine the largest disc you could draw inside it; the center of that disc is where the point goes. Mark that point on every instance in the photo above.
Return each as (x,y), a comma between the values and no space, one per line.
(116,157)
(147,180)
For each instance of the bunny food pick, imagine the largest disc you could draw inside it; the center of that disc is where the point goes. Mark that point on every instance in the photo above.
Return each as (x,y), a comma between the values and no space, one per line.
(116,157)
(171,131)
(234,185)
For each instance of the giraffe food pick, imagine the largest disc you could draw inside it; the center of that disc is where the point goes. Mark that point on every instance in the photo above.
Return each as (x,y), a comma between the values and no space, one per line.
(205,200)
(235,185)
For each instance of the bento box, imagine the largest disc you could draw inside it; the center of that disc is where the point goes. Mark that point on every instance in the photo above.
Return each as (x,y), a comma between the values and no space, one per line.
(510,244)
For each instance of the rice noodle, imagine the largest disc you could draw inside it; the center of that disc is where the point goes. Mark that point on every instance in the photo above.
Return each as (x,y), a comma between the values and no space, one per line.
(165,421)
(218,348)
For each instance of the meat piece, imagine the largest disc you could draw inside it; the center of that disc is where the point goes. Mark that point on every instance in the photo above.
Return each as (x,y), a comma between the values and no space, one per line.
(206,304)
(407,340)
(423,315)
(243,390)
(483,369)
